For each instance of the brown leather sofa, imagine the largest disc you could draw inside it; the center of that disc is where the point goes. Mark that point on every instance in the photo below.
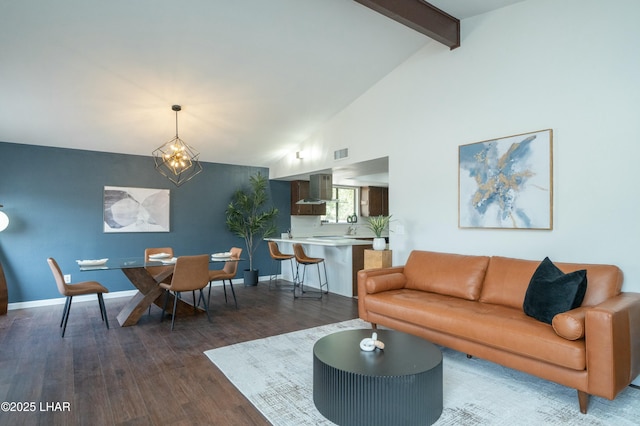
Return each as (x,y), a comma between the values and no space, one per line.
(473,304)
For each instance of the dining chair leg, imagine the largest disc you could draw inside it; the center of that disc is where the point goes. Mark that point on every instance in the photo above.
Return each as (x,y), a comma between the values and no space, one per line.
(200,298)
(103,310)
(193,294)
(66,317)
(175,305)
(224,287)
(234,293)
(64,311)
(100,307)
(206,306)
(209,296)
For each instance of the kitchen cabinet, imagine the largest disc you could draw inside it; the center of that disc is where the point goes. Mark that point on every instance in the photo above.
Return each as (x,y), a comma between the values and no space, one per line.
(357,264)
(300,191)
(374,201)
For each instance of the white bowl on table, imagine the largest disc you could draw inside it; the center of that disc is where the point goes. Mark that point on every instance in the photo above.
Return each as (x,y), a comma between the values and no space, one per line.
(158,256)
(92,262)
(223,255)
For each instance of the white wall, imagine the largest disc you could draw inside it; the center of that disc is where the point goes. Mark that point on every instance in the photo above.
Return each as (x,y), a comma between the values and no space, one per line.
(569,65)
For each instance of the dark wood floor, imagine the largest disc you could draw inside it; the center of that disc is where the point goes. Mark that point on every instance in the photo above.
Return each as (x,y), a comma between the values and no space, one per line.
(144,374)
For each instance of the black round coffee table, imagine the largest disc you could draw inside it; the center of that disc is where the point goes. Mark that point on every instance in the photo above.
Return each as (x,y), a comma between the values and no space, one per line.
(400,385)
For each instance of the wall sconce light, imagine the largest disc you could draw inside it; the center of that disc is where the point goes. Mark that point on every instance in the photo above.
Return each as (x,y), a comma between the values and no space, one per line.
(4,220)
(300,155)
(176,160)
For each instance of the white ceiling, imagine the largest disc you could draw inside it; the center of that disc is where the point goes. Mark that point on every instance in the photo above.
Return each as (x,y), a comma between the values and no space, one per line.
(463,9)
(254,78)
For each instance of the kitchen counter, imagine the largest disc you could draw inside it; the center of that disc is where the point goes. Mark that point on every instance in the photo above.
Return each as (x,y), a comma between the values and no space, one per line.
(335,241)
(343,255)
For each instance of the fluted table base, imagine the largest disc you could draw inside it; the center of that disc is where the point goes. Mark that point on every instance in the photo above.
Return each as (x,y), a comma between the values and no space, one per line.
(400,385)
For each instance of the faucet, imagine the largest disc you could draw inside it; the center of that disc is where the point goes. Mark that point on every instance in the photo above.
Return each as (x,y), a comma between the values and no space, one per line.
(351,230)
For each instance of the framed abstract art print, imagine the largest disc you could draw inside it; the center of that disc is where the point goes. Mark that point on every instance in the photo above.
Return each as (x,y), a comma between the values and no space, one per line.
(135,209)
(507,183)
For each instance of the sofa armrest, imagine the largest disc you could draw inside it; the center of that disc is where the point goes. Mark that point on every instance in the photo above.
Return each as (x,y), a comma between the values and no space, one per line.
(386,282)
(366,274)
(377,274)
(612,334)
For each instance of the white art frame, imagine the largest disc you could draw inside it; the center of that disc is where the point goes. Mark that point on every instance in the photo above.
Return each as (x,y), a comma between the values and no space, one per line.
(507,183)
(128,209)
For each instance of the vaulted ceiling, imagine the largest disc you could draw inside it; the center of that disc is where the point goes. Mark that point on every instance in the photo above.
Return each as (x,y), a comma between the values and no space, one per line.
(254,78)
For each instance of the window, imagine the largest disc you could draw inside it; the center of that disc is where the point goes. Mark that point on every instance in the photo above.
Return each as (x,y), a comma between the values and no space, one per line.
(345,206)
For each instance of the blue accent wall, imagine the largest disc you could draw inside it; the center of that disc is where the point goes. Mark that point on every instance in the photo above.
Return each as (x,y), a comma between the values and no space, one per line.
(54,200)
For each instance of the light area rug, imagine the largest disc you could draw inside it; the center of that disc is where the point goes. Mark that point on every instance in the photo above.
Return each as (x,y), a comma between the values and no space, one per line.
(276,375)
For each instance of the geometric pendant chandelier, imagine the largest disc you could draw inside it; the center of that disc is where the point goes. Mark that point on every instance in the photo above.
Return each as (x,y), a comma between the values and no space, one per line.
(4,220)
(176,160)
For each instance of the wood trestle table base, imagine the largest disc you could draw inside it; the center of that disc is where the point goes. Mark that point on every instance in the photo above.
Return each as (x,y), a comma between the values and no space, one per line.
(149,292)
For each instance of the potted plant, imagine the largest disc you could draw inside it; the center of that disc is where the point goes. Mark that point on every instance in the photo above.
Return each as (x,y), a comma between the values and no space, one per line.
(249,217)
(377,224)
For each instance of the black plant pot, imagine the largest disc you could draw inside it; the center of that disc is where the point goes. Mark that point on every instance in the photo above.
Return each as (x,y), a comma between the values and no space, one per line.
(250,277)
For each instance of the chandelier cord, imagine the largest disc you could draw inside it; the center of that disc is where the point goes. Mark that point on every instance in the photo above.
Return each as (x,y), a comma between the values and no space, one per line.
(176,124)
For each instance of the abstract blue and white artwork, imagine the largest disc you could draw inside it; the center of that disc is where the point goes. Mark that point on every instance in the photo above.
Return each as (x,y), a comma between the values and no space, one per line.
(507,182)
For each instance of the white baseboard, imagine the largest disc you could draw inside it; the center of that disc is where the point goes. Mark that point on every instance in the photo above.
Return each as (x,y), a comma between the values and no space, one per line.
(61,300)
(89,297)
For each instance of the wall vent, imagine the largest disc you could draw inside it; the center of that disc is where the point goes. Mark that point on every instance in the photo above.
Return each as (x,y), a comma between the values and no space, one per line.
(340,153)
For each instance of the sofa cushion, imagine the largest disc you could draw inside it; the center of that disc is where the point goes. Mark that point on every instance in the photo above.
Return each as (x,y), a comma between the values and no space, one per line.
(605,281)
(500,327)
(443,273)
(507,280)
(570,325)
(551,291)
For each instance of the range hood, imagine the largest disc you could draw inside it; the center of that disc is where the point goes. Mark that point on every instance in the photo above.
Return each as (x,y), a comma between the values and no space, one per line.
(320,189)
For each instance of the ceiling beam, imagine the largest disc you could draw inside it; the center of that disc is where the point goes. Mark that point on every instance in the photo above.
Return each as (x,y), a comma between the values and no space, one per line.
(422,17)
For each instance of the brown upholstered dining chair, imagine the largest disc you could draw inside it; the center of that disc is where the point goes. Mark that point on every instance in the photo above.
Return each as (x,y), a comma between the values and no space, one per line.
(78,289)
(279,257)
(304,260)
(227,273)
(4,296)
(189,274)
(159,273)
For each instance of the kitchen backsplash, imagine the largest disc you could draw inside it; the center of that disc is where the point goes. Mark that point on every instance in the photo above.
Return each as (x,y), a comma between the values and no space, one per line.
(310,226)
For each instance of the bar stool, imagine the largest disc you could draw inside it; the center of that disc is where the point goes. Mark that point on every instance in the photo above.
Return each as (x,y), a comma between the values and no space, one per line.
(304,260)
(278,257)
